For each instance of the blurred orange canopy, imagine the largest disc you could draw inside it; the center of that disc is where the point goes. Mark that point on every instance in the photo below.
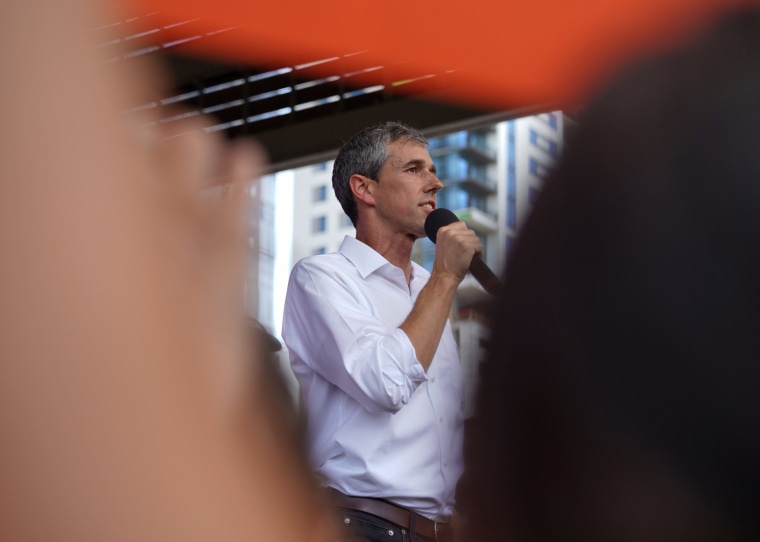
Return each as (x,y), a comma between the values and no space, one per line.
(492,54)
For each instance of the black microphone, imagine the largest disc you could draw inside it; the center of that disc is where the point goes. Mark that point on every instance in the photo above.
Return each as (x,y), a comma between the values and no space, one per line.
(482,273)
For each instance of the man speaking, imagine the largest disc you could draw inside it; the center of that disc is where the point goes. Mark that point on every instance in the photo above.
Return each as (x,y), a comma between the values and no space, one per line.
(371,345)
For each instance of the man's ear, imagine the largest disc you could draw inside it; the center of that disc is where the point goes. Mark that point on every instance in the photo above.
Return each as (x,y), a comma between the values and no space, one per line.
(362,188)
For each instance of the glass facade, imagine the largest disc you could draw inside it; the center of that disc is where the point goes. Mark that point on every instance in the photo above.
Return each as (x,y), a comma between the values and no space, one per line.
(456,197)
(465,164)
(476,139)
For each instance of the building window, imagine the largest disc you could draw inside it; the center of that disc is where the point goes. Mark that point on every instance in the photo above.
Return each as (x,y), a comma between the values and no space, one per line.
(320,193)
(544,143)
(549,118)
(319,250)
(322,166)
(537,168)
(319,224)
(455,197)
(345,222)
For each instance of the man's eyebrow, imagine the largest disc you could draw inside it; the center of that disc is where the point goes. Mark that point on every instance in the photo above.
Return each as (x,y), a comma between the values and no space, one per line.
(419,162)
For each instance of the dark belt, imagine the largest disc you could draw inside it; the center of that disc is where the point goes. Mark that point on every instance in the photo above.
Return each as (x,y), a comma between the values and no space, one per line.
(407,519)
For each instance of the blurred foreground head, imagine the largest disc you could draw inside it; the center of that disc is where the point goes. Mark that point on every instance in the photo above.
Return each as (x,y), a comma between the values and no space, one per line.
(620,399)
(132,404)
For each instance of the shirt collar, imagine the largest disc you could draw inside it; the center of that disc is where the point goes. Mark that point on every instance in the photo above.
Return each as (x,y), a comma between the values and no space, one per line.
(367,260)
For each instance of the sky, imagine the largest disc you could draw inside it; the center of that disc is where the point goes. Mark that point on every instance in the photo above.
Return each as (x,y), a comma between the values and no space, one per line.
(283,243)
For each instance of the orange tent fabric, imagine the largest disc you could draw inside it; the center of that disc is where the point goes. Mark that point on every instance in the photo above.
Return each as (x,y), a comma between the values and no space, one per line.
(492,54)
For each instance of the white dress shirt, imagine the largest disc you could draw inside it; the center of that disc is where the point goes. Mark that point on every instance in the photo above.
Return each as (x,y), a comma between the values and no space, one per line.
(378,426)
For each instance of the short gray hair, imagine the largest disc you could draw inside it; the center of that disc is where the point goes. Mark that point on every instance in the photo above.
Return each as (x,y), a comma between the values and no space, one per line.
(364,154)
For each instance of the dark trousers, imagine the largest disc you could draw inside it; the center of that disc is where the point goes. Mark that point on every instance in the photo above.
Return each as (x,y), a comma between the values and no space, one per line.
(362,527)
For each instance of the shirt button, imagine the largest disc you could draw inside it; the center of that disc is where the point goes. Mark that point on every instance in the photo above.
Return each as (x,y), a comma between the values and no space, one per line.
(432,379)
(441,420)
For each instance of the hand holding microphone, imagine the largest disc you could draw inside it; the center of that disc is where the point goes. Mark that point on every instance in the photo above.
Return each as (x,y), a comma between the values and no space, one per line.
(478,268)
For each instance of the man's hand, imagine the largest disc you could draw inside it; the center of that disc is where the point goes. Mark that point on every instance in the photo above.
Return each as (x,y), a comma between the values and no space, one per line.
(456,244)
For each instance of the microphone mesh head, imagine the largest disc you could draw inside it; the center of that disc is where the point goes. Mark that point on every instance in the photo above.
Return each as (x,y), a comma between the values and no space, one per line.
(436,219)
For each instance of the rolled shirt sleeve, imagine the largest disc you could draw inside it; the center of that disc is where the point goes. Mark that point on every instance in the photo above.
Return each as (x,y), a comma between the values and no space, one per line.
(333,325)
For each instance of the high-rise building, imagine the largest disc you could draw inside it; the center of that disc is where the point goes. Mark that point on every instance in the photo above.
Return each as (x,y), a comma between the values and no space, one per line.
(492,177)
(319,223)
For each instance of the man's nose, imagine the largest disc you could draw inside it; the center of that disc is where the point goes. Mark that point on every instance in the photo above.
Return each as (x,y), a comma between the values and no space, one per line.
(435,183)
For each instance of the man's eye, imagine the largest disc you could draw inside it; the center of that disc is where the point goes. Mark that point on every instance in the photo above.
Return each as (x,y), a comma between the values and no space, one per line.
(412,170)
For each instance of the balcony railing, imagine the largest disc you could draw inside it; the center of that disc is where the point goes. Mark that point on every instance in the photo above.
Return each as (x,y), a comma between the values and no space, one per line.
(471,145)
